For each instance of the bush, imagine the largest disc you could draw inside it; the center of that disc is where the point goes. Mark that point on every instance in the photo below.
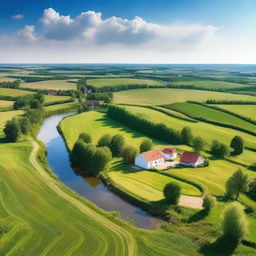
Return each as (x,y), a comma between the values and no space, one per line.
(85,137)
(209,202)
(116,145)
(172,193)
(234,225)
(12,130)
(198,144)
(100,159)
(25,125)
(104,141)
(146,145)
(237,143)
(186,136)
(129,153)
(219,149)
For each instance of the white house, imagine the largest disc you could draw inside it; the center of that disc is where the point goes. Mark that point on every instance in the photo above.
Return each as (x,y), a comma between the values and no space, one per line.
(149,159)
(169,153)
(192,159)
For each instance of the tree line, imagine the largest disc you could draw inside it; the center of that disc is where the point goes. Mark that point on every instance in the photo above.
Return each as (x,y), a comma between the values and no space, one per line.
(13,85)
(231,102)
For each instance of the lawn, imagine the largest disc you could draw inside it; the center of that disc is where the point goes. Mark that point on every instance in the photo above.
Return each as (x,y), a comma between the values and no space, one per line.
(161,96)
(52,85)
(199,111)
(243,110)
(120,81)
(208,84)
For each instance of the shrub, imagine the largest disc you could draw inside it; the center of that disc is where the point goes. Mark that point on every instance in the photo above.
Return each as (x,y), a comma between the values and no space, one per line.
(85,137)
(146,145)
(186,136)
(234,225)
(100,159)
(12,130)
(237,143)
(104,141)
(209,202)
(25,125)
(219,149)
(129,153)
(116,145)
(236,184)
(172,193)
(198,144)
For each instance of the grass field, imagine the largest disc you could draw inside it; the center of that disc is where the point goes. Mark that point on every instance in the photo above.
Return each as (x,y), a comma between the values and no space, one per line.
(52,85)
(161,96)
(7,79)
(243,110)
(120,81)
(211,84)
(199,111)
(5,103)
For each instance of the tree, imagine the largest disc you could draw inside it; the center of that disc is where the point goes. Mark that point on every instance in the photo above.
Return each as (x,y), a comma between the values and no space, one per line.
(85,137)
(104,141)
(237,143)
(36,104)
(219,149)
(25,125)
(40,97)
(146,145)
(186,135)
(198,144)
(100,159)
(116,145)
(234,225)
(129,153)
(12,130)
(172,193)
(236,184)
(209,202)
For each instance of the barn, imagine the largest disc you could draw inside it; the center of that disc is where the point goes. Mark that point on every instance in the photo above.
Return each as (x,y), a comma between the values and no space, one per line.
(149,159)
(192,159)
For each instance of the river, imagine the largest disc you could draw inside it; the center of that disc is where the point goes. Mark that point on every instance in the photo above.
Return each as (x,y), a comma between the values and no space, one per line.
(89,187)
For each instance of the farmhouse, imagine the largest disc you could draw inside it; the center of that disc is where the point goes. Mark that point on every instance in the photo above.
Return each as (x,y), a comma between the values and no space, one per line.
(52,92)
(169,153)
(149,159)
(93,104)
(191,159)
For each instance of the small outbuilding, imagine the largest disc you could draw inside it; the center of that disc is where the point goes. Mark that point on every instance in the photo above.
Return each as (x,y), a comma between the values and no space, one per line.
(192,159)
(149,159)
(93,104)
(169,153)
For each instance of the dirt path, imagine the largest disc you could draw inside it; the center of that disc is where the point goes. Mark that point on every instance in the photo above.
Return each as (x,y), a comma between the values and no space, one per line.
(128,242)
(191,201)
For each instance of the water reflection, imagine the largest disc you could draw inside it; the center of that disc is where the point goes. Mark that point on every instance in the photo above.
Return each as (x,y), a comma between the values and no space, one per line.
(89,187)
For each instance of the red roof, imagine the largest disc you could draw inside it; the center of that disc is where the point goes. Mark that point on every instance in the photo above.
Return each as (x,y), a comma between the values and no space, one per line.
(169,151)
(93,102)
(188,157)
(152,155)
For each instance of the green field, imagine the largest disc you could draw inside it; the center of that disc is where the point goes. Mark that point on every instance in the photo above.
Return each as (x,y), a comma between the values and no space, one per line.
(243,110)
(52,85)
(162,96)
(120,81)
(199,111)
(210,84)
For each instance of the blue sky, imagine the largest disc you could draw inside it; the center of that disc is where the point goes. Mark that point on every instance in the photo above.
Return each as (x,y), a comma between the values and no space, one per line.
(183,31)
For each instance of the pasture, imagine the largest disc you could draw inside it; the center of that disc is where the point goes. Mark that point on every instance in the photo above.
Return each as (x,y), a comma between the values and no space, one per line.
(5,103)
(243,110)
(52,85)
(120,81)
(214,115)
(161,96)
(208,84)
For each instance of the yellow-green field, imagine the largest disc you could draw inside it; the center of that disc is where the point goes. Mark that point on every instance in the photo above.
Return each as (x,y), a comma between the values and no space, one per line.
(120,81)
(5,103)
(52,85)
(7,79)
(162,96)
(243,110)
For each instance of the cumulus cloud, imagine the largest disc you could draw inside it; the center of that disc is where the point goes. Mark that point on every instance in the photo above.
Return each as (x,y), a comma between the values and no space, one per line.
(18,16)
(92,28)
(27,34)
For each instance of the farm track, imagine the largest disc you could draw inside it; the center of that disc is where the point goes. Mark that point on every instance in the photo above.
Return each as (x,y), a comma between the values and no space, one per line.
(126,240)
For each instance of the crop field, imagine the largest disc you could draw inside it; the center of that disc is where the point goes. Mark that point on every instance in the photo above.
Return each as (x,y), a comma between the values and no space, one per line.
(120,81)
(5,103)
(199,111)
(161,96)
(52,85)
(211,84)
(13,92)
(243,110)
(7,79)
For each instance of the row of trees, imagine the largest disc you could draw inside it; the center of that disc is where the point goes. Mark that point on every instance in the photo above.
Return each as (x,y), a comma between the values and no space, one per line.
(29,100)
(107,97)
(231,102)
(14,85)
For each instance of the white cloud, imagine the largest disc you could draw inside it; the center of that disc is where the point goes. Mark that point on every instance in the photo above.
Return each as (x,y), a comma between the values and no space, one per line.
(18,16)
(27,34)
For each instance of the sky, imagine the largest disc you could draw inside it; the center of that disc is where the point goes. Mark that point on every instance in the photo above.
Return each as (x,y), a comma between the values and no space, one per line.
(134,31)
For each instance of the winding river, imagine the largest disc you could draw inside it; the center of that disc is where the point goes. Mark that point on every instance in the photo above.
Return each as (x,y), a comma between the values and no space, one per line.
(89,187)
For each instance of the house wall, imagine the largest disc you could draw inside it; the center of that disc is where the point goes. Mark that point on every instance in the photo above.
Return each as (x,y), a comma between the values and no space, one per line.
(141,162)
(155,163)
